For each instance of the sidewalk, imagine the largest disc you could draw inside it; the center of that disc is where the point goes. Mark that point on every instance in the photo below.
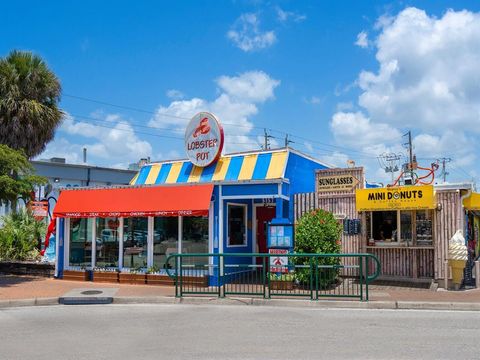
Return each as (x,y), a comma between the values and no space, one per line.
(18,289)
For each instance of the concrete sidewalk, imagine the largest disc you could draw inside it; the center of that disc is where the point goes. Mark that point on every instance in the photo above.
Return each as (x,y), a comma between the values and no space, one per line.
(28,290)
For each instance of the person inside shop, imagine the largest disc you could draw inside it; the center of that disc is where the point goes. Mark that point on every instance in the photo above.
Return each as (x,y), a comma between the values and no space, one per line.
(386,230)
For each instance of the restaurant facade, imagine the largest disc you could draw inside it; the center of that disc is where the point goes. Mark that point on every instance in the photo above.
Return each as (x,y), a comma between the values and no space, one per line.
(209,203)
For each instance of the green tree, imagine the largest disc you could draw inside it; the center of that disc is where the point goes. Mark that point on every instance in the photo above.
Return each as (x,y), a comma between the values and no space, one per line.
(17,178)
(318,232)
(29,95)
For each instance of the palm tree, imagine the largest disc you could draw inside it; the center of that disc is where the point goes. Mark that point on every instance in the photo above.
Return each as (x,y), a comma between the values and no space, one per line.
(29,95)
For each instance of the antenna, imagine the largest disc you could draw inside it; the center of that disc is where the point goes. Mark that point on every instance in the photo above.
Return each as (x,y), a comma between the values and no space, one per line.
(390,162)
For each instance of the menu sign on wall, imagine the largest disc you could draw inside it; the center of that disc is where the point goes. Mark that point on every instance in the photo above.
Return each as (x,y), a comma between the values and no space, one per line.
(203,139)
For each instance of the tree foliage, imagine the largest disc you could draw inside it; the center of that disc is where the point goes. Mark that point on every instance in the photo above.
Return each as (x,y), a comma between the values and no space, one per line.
(318,232)
(16,175)
(29,95)
(19,236)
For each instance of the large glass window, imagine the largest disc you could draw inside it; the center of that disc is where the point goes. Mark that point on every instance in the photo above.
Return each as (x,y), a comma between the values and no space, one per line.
(237,225)
(384,225)
(165,239)
(423,227)
(195,235)
(80,242)
(107,245)
(135,235)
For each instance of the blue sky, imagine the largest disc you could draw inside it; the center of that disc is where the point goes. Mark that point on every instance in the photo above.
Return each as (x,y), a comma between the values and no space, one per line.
(344,78)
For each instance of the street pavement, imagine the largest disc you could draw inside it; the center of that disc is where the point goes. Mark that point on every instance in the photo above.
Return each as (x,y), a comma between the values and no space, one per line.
(234,332)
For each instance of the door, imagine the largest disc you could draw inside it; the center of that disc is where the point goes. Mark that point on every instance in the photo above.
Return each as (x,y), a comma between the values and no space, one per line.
(265,214)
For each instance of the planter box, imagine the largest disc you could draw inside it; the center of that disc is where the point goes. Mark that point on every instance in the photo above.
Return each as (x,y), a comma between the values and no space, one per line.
(131,278)
(75,275)
(157,279)
(199,281)
(281,285)
(105,276)
(27,268)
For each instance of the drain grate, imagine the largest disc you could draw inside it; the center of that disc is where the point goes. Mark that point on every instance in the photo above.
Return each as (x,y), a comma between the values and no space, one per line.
(91,292)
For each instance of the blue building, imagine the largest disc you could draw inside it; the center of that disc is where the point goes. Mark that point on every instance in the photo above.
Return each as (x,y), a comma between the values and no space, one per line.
(176,207)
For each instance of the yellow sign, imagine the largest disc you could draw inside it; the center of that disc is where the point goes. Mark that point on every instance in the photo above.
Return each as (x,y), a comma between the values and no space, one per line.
(472,202)
(395,198)
(344,182)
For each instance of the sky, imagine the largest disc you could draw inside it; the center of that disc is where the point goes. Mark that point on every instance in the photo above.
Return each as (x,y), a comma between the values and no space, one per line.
(344,79)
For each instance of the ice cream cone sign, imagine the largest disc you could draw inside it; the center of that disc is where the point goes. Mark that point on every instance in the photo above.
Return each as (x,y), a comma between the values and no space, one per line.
(457,256)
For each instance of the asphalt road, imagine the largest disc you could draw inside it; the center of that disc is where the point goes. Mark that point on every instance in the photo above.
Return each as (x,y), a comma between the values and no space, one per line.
(234,332)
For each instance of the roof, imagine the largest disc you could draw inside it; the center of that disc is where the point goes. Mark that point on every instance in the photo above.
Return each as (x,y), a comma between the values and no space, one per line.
(79,166)
(261,165)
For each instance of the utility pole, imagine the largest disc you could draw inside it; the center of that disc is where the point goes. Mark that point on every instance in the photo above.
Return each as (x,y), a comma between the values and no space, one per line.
(287,141)
(266,145)
(444,162)
(410,152)
(390,162)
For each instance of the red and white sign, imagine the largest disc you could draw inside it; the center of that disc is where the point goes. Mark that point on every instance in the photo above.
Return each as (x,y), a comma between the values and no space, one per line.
(203,139)
(39,209)
(278,263)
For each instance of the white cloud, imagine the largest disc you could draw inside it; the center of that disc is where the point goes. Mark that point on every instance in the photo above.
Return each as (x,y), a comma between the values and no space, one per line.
(362,40)
(175,94)
(236,103)
(109,140)
(427,81)
(314,100)
(284,16)
(246,34)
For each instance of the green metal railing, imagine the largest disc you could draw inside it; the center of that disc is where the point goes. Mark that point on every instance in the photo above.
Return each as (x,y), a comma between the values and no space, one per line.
(312,276)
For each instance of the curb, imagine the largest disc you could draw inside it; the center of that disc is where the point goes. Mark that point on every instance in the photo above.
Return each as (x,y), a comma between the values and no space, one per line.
(289,303)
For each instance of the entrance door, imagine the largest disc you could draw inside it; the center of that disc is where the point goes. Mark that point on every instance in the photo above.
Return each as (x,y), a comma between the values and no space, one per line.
(265,214)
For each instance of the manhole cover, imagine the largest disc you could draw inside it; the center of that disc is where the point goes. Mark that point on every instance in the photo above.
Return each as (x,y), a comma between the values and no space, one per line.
(91,292)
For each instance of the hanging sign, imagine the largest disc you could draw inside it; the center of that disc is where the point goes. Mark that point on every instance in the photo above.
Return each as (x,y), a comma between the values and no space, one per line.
(203,139)
(395,198)
(39,209)
(344,182)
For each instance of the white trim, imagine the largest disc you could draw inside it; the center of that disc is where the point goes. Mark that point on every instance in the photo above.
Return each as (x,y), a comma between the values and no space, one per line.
(245,206)
(150,231)
(121,224)
(220,221)
(245,197)
(94,242)
(66,244)
(210,236)
(180,234)
(57,245)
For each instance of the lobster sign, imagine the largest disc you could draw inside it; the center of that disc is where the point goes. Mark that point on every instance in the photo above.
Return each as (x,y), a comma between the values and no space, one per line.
(203,139)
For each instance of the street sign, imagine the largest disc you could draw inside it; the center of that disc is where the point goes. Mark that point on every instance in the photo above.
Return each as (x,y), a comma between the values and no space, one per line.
(278,263)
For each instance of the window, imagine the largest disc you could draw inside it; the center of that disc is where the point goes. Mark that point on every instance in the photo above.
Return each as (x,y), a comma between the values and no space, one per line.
(237,225)
(414,227)
(107,244)
(165,239)
(195,235)
(135,234)
(80,242)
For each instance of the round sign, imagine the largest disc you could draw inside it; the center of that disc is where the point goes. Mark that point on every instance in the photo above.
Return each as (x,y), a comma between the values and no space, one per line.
(203,139)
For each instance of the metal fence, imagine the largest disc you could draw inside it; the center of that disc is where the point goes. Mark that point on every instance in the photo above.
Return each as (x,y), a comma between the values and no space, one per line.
(312,276)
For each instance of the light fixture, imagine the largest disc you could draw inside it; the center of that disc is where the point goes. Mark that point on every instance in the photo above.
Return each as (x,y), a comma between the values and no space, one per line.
(56,180)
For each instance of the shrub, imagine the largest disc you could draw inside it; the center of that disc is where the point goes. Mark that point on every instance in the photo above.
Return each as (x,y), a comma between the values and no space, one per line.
(20,236)
(317,232)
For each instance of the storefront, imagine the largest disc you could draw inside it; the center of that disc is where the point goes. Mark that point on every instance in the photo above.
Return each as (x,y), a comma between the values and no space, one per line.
(407,228)
(207,204)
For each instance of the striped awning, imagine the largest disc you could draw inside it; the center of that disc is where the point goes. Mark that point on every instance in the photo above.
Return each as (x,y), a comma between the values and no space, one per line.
(251,166)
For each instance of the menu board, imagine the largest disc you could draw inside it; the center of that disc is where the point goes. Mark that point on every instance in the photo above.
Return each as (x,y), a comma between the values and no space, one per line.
(280,235)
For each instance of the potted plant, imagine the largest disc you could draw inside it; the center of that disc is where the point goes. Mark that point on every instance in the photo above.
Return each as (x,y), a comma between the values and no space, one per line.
(76,273)
(105,274)
(155,277)
(281,281)
(132,276)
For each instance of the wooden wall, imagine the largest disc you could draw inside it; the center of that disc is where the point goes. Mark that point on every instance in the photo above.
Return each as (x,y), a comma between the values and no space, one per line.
(340,203)
(446,222)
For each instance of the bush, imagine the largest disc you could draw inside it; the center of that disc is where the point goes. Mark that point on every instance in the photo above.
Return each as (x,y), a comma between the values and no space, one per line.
(318,232)
(20,236)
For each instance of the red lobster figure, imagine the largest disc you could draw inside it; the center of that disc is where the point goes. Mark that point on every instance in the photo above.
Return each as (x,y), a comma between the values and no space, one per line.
(202,128)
